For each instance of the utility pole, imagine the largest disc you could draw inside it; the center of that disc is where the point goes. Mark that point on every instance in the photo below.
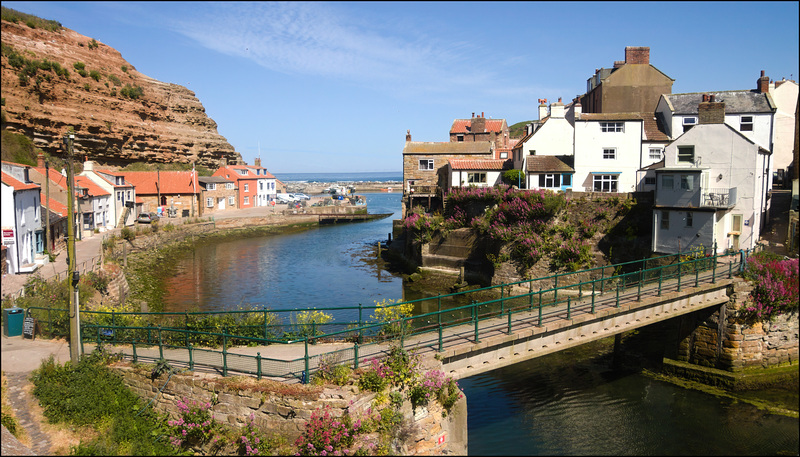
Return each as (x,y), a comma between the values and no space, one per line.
(73,276)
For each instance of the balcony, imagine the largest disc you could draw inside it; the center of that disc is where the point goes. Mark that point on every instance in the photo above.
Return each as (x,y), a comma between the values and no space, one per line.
(718,198)
(423,191)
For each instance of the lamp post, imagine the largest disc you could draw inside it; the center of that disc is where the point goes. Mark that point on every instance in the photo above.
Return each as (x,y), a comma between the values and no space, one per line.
(73,276)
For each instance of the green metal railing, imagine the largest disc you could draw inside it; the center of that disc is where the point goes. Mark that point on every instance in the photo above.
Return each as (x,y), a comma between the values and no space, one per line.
(563,294)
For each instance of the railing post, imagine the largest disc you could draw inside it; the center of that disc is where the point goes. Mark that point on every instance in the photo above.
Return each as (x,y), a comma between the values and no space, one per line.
(258,365)
(160,345)
(714,265)
(540,306)
(133,345)
(440,337)
(696,274)
(439,309)
(224,354)
(186,327)
(191,357)
(660,275)
(730,269)
(639,288)
(475,319)
(679,276)
(355,355)
(555,289)
(569,311)
(530,295)
(306,373)
(502,299)
(593,281)
(509,323)
(602,280)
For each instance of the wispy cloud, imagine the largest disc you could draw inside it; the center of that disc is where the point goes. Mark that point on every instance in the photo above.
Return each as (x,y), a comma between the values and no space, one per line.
(335,41)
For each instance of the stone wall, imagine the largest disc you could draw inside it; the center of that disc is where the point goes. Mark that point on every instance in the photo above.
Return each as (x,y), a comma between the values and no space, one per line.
(285,408)
(719,340)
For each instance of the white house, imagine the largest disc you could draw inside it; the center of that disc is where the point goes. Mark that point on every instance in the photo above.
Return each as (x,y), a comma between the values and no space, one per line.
(474,172)
(608,151)
(552,135)
(123,193)
(712,188)
(95,206)
(784,94)
(20,218)
(266,190)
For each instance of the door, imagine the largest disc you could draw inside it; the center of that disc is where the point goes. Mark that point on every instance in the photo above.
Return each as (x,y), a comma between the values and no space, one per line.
(221,203)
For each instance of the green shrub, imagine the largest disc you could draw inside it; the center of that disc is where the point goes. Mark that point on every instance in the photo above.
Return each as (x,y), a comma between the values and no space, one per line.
(94,74)
(127,234)
(131,92)
(79,66)
(114,80)
(93,44)
(124,68)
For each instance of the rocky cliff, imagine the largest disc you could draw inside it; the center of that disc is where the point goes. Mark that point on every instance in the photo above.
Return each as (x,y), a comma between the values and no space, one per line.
(53,80)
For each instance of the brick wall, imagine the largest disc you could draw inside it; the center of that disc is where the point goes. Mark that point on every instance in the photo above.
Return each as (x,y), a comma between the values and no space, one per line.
(637,55)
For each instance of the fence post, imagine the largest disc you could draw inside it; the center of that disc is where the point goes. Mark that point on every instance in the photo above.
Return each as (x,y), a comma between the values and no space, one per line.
(569,303)
(440,337)
(602,280)
(224,354)
(660,274)
(540,306)
(714,265)
(191,357)
(593,281)
(133,344)
(306,373)
(160,346)
(475,319)
(355,355)
(186,327)
(679,276)
(696,274)
(509,323)
(258,365)
(530,295)
(502,299)
(730,269)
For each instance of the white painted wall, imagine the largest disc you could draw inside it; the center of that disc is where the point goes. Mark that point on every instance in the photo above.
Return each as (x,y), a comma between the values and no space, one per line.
(21,212)
(589,144)
(458,178)
(785,98)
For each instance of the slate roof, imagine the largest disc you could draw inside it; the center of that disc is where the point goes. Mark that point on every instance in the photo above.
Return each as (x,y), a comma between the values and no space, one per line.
(736,101)
(171,182)
(472,164)
(611,117)
(214,179)
(448,147)
(465,125)
(557,164)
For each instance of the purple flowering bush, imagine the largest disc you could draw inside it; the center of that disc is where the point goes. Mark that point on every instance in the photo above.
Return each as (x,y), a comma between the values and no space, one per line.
(252,441)
(775,291)
(326,434)
(435,385)
(195,426)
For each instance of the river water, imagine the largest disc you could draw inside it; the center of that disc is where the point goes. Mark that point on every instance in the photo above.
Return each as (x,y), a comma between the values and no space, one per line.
(568,403)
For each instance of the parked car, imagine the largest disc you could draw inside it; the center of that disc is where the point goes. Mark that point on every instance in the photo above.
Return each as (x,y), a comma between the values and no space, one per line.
(284,198)
(146,218)
(300,196)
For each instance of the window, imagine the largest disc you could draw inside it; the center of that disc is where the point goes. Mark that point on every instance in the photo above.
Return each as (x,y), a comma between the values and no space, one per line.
(687,182)
(426,164)
(605,183)
(128,196)
(688,123)
(566,180)
(242,172)
(211,186)
(210,202)
(119,196)
(460,137)
(229,185)
(260,185)
(246,200)
(666,181)
(611,127)
(231,201)
(532,152)
(689,219)
(609,153)
(247,188)
(664,220)
(649,181)
(655,153)
(549,180)
(473,178)
(736,225)
(504,155)
(686,154)
(746,124)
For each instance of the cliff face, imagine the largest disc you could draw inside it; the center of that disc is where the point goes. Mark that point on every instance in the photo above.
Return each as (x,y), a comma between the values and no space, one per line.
(166,123)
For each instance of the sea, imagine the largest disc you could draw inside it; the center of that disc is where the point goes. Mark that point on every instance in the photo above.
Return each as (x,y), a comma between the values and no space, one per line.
(388,176)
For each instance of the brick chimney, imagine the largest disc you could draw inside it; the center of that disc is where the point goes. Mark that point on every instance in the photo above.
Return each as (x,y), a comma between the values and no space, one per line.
(257,161)
(40,160)
(637,54)
(710,111)
(408,135)
(762,85)
(478,124)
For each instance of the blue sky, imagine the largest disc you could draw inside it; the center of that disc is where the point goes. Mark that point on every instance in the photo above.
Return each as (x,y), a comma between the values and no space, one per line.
(333,87)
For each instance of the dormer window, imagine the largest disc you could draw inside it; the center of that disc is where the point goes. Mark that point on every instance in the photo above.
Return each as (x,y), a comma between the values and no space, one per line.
(242,172)
(688,123)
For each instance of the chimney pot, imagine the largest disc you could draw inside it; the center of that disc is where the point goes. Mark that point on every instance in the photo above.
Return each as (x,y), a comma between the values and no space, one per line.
(762,73)
(473,114)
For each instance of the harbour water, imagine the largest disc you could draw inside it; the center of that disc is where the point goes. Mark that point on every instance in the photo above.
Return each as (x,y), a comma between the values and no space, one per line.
(568,403)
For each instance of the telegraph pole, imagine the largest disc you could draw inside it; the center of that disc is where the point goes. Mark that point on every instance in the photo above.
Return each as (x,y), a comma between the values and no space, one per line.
(73,276)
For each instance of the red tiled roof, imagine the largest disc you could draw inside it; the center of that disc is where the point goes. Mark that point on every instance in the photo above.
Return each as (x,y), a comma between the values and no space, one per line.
(170,182)
(16,184)
(55,177)
(470,164)
(465,125)
(52,205)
